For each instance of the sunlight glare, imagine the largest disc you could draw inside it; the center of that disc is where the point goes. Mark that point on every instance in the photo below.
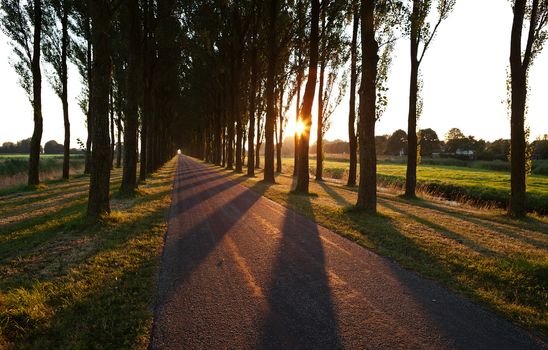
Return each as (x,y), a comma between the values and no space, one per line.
(299,127)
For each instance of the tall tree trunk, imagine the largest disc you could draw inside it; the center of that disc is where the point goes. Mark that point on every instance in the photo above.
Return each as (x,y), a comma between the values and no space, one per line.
(129,175)
(34,158)
(270,95)
(279,144)
(87,163)
(319,133)
(411,174)
(297,118)
(119,141)
(308,99)
(146,101)
(98,203)
(367,191)
(64,93)
(258,146)
(252,111)
(518,70)
(112,140)
(352,137)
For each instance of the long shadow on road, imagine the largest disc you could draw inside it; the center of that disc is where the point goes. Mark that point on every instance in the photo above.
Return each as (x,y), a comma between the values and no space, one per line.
(301,310)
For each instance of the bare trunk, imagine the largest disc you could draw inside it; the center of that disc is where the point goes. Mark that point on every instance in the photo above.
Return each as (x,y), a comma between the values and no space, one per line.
(280,134)
(112,140)
(270,96)
(98,203)
(308,99)
(252,111)
(296,136)
(352,138)
(34,158)
(518,71)
(87,164)
(319,134)
(129,175)
(411,175)
(64,94)
(367,191)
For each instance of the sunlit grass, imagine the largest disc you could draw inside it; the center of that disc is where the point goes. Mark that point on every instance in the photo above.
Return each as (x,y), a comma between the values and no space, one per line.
(66,282)
(484,187)
(480,253)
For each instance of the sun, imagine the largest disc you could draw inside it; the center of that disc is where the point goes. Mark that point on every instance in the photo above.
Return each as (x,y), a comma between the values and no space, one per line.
(299,127)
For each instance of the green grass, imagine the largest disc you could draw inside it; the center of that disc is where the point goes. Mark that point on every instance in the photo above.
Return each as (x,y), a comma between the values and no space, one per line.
(66,282)
(482,254)
(14,168)
(452,182)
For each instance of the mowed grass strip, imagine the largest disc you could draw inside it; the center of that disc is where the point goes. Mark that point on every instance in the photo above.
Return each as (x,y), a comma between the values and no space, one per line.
(484,187)
(480,253)
(68,283)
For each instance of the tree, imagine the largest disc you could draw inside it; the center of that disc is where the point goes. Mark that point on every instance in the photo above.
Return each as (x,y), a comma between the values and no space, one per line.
(308,98)
(454,139)
(367,190)
(133,38)
(536,11)
(352,137)
(421,31)
(22,23)
(82,57)
(98,202)
(429,142)
(332,52)
(56,50)
(53,147)
(273,9)
(397,143)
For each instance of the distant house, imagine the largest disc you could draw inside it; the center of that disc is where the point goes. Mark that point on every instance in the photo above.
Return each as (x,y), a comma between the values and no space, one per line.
(465,153)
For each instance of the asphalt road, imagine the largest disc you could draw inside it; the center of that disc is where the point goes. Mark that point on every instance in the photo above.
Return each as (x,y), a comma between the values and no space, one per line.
(242,272)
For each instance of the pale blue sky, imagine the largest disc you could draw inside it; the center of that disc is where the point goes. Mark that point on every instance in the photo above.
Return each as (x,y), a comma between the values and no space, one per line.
(464,75)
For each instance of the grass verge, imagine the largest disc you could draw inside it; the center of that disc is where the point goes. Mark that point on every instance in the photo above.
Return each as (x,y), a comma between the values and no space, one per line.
(483,187)
(67,283)
(480,253)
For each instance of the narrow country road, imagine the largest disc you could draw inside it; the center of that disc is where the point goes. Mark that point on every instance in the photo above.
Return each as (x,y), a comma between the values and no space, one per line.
(242,272)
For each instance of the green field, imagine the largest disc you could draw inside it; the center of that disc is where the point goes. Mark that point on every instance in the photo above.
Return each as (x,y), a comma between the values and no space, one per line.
(455,183)
(14,168)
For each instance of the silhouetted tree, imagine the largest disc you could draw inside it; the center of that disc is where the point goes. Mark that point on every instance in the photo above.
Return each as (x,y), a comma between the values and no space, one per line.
(308,98)
(421,33)
(21,21)
(536,11)
(56,50)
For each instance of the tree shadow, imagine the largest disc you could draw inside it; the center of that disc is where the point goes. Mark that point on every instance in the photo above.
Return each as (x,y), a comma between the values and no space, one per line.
(301,312)
(443,230)
(334,194)
(488,223)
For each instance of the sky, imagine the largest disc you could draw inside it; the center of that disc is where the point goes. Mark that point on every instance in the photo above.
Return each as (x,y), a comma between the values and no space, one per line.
(464,74)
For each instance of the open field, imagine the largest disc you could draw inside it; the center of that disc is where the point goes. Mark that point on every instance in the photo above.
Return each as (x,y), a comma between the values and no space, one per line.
(484,187)
(480,253)
(68,283)
(14,168)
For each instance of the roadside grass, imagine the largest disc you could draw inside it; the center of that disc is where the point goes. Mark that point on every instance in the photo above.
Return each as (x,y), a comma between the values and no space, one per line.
(479,186)
(68,283)
(497,261)
(14,168)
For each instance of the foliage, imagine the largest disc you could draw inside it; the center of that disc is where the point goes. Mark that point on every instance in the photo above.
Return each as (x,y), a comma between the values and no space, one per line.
(397,142)
(17,23)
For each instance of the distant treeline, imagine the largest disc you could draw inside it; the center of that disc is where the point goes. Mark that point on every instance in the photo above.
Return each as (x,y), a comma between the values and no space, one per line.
(455,145)
(23,147)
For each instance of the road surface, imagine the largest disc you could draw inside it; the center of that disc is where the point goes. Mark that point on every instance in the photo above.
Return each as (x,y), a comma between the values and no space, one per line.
(242,272)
